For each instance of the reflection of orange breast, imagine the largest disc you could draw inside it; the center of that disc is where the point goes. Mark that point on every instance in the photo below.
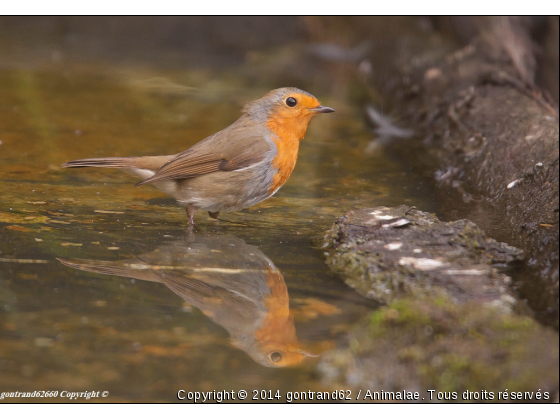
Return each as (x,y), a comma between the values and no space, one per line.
(287,138)
(278,326)
(277,332)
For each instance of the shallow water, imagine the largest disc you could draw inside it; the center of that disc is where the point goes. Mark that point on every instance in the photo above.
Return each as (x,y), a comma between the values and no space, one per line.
(69,329)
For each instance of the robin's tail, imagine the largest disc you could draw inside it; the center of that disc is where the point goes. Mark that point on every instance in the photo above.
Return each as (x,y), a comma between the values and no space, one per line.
(110,162)
(130,268)
(137,165)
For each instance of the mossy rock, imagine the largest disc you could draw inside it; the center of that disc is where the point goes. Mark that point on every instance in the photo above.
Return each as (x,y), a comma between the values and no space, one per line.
(432,343)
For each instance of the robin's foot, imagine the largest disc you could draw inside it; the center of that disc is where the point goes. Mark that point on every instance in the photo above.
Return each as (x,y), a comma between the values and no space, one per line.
(192,230)
(191,211)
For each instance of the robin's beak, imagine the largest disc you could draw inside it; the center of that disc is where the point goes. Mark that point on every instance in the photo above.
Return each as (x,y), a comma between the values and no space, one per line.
(321,110)
(306,353)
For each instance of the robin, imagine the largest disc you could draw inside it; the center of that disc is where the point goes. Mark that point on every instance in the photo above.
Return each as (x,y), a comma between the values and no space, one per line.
(241,290)
(235,168)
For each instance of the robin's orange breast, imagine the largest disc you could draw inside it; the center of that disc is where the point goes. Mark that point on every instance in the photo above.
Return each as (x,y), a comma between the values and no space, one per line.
(286,136)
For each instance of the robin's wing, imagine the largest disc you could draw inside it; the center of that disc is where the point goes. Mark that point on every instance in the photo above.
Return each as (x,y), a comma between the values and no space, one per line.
(236,147)
(224,306)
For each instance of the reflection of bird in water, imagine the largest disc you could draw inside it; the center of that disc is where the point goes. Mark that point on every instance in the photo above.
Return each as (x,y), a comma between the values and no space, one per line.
(231,282)
(386,131)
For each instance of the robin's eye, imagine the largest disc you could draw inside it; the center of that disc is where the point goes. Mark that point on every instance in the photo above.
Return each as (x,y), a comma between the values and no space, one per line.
(291,102)
(276,357)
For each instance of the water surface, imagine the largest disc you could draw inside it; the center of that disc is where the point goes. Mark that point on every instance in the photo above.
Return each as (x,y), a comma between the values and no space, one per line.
(146,331)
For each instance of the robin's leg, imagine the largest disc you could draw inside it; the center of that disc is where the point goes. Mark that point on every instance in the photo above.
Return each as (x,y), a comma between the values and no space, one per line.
(191,211)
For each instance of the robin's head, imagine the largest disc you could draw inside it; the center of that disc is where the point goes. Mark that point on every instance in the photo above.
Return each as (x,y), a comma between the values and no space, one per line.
(287,105)
(275,355)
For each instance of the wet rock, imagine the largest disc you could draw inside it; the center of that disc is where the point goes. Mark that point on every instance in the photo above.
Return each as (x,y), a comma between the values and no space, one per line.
(389,253)
(431,343)
(476,108)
